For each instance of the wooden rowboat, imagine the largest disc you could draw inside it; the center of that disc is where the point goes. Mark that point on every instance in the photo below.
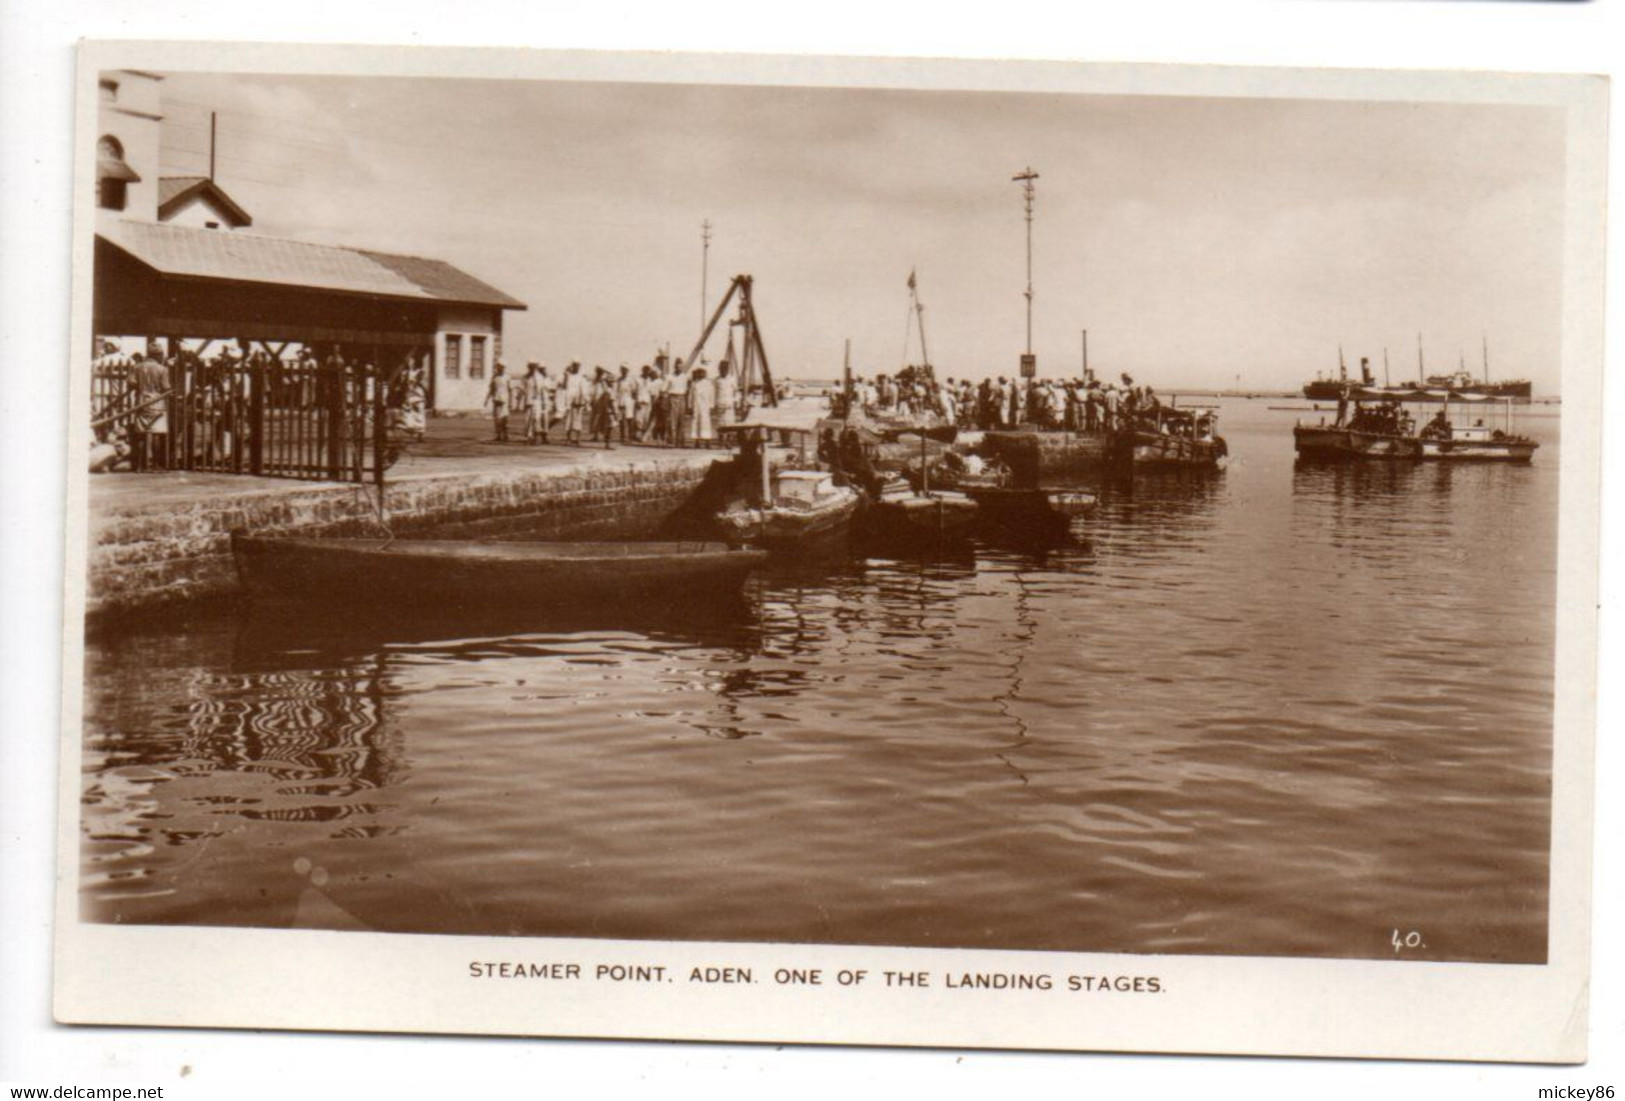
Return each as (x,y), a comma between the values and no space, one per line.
(461,573)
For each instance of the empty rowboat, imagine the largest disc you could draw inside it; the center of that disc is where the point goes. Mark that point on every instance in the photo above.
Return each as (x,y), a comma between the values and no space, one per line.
(462,573)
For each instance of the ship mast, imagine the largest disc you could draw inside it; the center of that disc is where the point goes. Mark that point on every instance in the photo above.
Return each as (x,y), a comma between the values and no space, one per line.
(919,314)
(1486,360)
(1029,365)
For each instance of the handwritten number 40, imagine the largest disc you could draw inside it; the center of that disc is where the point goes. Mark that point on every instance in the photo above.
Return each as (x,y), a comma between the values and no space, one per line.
(1402,941)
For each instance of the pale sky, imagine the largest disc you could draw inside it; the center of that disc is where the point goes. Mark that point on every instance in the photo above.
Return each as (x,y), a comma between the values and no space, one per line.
(1196,239)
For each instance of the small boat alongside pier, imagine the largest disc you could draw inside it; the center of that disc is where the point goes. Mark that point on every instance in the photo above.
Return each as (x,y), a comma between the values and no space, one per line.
(1035,511)
(781,500)
(902,514)
(453,573)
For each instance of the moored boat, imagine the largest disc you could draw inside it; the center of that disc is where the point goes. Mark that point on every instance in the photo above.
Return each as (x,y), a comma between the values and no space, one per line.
(1035,511)
(781,499)
(796,513)
(902,513)
(1337,443)
(1477,443)
(456,572)
(1388,431)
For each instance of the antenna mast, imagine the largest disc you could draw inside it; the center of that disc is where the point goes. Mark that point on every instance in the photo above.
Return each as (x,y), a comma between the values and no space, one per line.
(705,264)
(212,116)
(1029,363)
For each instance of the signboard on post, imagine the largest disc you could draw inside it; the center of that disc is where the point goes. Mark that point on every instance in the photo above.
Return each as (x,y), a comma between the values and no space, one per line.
(1029,366)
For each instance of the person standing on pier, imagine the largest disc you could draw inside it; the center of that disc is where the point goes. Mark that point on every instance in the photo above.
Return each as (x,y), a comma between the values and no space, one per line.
(626,403)
(642,403)
(677,405)
(538,402)
(657,427)
(727,402)
(496,396)
(573,396)
(150,428)
(603,407)
(702,398)
(518,400)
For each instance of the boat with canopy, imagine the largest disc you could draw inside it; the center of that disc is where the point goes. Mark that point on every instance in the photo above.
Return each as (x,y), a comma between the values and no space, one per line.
(1372,423)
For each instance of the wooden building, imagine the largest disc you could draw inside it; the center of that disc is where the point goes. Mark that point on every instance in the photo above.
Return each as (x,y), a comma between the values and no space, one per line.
(173,263)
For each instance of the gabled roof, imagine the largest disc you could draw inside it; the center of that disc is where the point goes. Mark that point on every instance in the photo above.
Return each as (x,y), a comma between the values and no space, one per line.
(175,192)
(184,252)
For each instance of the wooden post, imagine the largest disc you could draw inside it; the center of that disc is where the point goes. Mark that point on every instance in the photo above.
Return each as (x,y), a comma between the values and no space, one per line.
(332,377)
(256,418)
(754,335)
(716,316)
(380,424)
(767,471)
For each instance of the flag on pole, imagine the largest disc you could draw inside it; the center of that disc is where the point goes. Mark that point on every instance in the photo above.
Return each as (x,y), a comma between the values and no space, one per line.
(910,278)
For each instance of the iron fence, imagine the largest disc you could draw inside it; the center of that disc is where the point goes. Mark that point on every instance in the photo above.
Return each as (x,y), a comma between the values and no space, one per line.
(318,421)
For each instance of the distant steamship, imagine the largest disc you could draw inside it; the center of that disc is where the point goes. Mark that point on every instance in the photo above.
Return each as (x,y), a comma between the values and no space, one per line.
(1456,384)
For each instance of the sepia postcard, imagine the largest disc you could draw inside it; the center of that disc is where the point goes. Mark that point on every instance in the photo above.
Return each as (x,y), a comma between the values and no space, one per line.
(831,550)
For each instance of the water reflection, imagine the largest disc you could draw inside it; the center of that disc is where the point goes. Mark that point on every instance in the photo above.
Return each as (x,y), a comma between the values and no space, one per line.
(1225,714)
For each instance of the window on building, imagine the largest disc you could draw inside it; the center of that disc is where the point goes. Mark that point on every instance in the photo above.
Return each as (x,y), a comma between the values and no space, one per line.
(109,91)
(476,357)
(454,355)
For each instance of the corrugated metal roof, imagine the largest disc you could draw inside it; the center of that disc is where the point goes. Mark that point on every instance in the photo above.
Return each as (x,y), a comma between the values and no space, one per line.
(248,258)
(441,280)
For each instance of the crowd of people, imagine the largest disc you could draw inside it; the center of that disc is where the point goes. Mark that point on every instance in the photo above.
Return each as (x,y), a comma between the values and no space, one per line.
(663,402)
(1074,405)
(1382,418)
(159,409)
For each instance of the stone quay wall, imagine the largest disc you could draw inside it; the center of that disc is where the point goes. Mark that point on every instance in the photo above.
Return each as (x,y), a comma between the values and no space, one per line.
(147,555)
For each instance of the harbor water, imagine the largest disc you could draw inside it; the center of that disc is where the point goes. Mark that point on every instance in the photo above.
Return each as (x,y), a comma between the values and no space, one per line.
(1270,711)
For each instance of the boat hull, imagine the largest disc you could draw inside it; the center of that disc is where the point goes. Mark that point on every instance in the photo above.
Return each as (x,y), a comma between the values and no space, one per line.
(786,528)
(458,573)
(1332,444)
(922,517)
(1153,449)
(1504,451)
(1036,511)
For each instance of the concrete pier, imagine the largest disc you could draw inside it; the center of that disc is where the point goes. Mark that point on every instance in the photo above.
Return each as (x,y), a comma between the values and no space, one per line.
(159,539)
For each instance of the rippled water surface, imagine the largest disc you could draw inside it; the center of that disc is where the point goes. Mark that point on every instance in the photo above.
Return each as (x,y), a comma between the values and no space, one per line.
(1274,711)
